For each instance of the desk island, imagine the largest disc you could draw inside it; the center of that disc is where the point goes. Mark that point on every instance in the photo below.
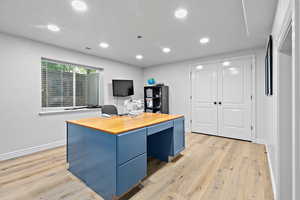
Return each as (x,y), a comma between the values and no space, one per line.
(110,154)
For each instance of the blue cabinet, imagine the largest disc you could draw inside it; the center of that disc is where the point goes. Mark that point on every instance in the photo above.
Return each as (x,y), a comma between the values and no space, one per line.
(92,158)
(112,164)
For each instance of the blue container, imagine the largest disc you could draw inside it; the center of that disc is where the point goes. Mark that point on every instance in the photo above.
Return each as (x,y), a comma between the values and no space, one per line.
(151,81)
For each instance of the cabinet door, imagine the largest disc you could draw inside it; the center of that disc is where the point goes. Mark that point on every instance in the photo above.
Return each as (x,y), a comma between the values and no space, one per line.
(75,150)
(178,136)
(100,162)
(92,158)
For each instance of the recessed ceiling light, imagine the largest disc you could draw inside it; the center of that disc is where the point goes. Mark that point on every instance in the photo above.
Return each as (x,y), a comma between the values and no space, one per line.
(180,13)
(236,71)
(226,63)
(79,5)
(104,45)
(139,57)
(204,40)
(53,27)
(166,50)
(199,67)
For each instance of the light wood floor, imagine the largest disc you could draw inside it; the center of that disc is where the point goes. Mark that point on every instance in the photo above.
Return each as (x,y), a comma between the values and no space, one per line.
(210,168)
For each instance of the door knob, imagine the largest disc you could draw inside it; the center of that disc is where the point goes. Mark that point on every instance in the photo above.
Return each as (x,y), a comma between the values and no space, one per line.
(215,103)
(220,103)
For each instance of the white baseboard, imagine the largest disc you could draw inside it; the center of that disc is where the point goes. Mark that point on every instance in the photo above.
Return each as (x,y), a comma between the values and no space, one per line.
(271,173)
(27,151)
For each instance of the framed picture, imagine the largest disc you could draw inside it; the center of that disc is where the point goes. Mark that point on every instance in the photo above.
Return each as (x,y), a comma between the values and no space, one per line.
(269,68)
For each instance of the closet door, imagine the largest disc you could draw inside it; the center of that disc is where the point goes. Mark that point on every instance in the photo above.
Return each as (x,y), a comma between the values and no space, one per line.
(204,99)
(234,102)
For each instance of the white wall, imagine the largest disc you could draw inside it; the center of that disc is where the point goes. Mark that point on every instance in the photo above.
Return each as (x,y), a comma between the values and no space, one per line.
(272,102)
(177,76)
(288,9)
(21,126)
(296,169)
(285,126)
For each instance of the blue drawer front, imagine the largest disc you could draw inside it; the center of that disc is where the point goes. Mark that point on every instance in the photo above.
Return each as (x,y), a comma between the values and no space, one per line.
(179,136)
(131,144)
(130,173)
(159,127)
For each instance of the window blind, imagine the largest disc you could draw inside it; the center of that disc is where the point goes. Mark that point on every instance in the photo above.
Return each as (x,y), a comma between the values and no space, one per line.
(68,85)
(81,89)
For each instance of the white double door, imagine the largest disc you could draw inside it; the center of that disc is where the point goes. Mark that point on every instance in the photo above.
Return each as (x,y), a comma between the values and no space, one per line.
(221,99)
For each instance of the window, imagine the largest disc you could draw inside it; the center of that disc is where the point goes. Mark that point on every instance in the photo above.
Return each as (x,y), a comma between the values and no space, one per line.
(69,85)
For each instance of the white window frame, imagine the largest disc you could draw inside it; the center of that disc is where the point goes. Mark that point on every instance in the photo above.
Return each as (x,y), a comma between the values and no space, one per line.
(100,92)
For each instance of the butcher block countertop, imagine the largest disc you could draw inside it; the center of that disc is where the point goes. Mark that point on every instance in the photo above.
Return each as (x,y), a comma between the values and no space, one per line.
(121,124)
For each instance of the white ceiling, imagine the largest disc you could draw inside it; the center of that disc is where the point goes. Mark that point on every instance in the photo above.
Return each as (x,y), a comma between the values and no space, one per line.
(118,22)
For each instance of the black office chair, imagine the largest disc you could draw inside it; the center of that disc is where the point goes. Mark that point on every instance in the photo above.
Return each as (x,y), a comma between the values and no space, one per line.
(109,109)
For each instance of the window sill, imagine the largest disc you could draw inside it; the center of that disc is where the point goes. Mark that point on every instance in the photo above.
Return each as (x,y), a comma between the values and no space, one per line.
(54,112)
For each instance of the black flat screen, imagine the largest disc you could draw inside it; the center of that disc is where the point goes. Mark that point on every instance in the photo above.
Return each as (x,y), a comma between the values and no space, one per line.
(122,88)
